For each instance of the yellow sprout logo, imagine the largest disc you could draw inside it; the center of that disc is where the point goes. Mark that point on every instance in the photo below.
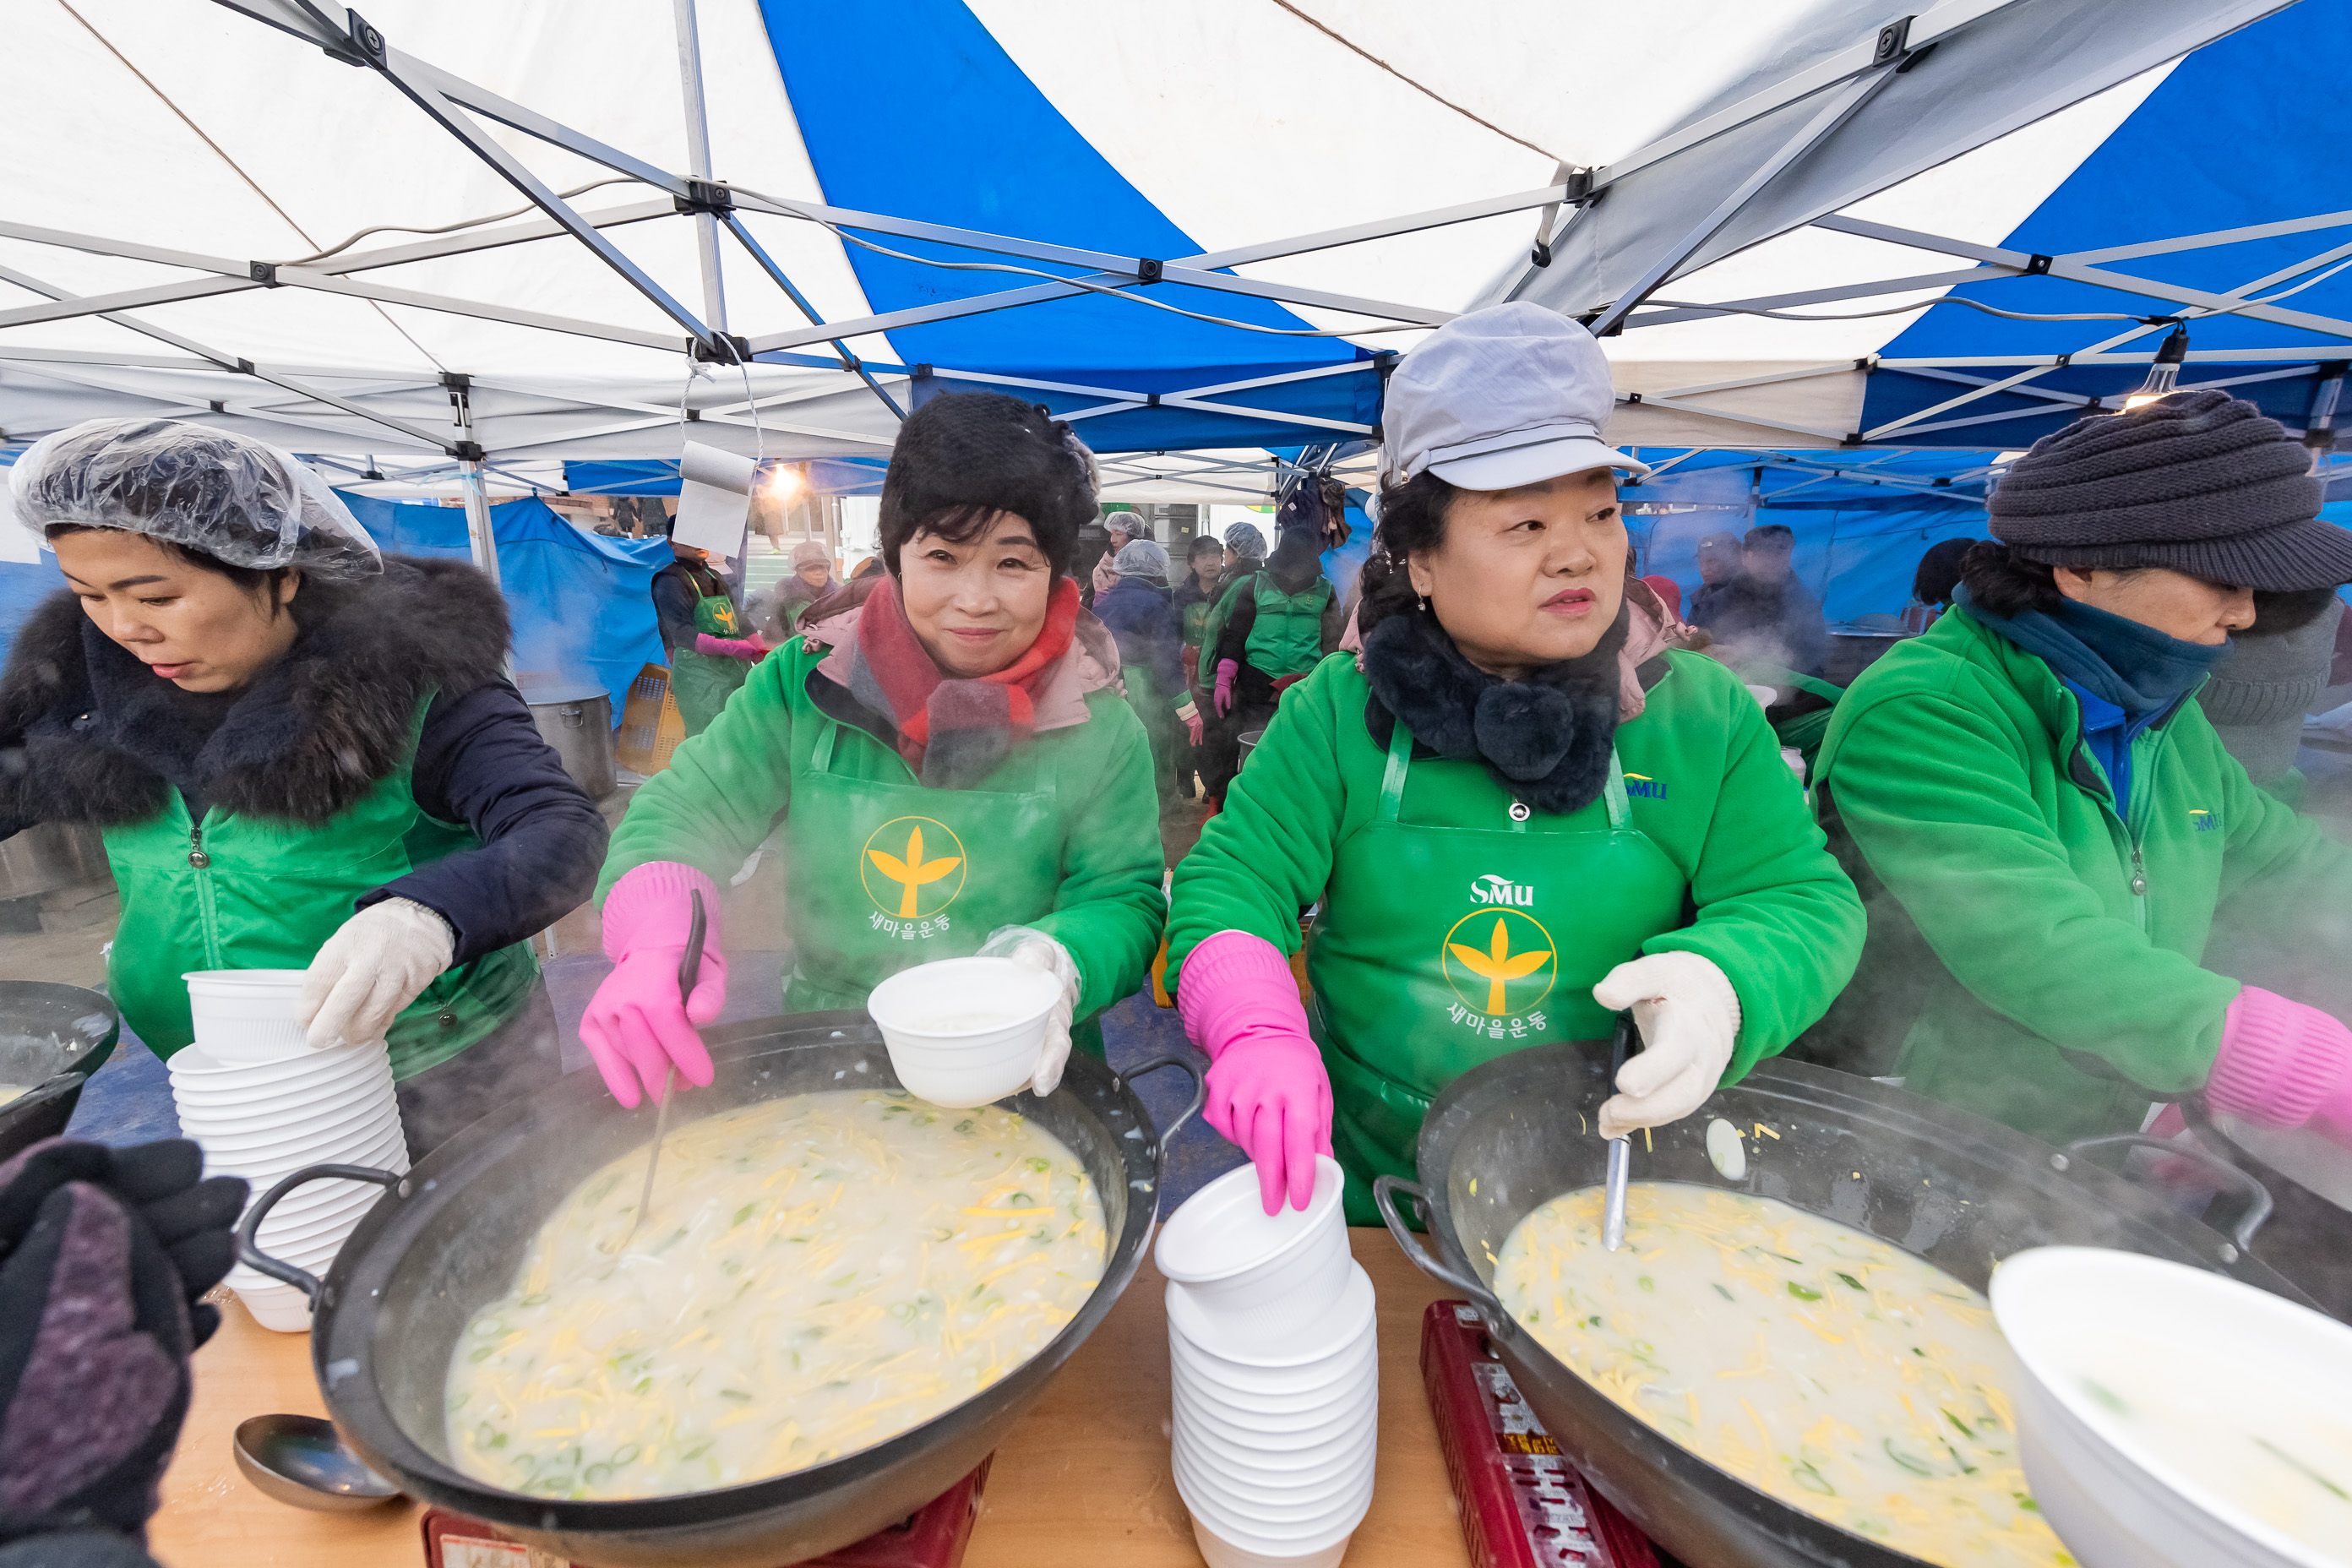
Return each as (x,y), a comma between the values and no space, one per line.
(1517,950)
(924,887)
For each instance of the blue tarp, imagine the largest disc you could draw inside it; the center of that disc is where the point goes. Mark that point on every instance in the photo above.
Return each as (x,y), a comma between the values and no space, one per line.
(581,603)
(968,141)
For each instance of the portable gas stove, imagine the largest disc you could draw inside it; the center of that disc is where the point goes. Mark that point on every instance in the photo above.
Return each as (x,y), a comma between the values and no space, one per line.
(1521,1504)
(934,1536)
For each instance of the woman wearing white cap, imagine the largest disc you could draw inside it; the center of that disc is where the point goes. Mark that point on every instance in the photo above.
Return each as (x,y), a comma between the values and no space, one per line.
(1519,812)
(301,753)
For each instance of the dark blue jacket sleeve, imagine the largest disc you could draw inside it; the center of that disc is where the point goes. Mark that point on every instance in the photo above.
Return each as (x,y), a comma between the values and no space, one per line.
(481,761)
(673,606)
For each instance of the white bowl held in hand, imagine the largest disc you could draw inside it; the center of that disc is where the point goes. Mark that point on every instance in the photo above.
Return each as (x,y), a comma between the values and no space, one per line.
(1265,1282)
(2170,1417)
(964,1032)
(245,1016)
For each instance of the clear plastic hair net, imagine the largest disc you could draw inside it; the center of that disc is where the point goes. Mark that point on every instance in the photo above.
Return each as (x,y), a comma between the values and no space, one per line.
(230,497)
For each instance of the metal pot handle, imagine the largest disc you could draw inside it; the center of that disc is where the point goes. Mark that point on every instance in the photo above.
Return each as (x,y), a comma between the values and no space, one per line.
(251,1254)
(1384,1191)
(2258,1197)
(1199,1091)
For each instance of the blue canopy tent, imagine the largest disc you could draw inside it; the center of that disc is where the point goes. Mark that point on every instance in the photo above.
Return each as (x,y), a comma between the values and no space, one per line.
(581,604)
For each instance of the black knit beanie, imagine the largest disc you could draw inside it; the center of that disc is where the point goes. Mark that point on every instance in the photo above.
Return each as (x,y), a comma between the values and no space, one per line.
(2199,481)
(987,450)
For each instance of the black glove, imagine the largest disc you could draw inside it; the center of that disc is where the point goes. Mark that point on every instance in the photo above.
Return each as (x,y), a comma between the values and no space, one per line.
(96,1326)
(194,1221)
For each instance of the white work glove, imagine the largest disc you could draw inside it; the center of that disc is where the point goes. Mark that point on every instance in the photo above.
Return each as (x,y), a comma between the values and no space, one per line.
(1689,1018)
(1034,950)
(375,964)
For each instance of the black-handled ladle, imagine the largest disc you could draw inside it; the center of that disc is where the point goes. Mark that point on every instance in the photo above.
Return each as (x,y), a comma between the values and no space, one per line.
(689,969)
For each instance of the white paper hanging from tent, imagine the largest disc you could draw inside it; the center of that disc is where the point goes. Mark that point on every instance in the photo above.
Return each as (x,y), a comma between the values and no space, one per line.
(714,499)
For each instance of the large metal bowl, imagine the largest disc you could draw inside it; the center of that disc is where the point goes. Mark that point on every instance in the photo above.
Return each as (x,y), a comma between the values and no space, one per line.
(52,1038)
(447,1239)
(1959,1191)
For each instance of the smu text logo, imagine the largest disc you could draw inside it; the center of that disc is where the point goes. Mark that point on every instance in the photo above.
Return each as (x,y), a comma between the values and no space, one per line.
(2203,821)
(1645,786)
(1493,890)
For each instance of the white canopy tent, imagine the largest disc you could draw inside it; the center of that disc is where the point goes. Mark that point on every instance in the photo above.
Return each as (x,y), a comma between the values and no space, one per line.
(470,234)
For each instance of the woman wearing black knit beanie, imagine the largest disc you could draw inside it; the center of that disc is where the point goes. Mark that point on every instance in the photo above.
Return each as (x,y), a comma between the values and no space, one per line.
(2048,831)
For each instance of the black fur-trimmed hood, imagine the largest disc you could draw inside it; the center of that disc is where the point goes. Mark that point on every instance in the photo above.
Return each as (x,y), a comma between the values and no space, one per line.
(88,733)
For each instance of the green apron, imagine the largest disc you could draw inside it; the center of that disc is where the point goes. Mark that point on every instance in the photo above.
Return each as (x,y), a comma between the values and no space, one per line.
(1438,948)
(238,891)
(887,875)
(703,683)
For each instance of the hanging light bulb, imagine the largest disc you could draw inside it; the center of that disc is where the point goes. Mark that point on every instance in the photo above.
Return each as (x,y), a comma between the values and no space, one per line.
(784,484)
(2164,373)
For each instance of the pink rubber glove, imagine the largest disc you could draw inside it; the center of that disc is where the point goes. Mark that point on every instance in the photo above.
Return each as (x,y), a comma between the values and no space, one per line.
(2282,1064)
(1226,670)
(1194,729)
(635,1026)
(751,650)
(1267,1089)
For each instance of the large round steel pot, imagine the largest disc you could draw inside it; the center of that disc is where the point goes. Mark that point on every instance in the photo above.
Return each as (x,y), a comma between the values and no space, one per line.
(1958,1190)
(2309,1239)
(577,721)
(51,855)
(446,1239)
(52,1038)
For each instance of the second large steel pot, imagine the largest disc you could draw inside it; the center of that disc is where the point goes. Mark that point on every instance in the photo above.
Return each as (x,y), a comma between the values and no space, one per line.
(1958,1190)
(447,1239)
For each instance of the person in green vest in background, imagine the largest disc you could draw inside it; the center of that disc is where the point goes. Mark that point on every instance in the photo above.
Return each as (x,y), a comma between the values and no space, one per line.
(953,763)
(301,754)
(1271,628)
(710,650)
(1139,613)
(1519,811)
(2048,831)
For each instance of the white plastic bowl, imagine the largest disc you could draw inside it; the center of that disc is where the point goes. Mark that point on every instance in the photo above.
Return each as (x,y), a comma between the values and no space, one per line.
(1281,1502)
(1274,1369)
(1263,1526)
(964,1031)
(1260,1427)
(358,1121)
(2172,1349)
(1322,1467)
(1352,1379)
(1266,1282)
(1219,1552)
(264,1174)
(1244,1442)
(275,1306)
(258,1113)
(247,1014)
(198,1076)
(1353,1360)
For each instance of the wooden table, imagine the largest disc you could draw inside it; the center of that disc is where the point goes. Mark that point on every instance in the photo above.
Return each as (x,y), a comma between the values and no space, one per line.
(1082,1479)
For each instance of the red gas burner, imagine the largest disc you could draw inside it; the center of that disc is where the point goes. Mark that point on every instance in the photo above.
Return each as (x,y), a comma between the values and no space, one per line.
(932,1537)
(1521,1504)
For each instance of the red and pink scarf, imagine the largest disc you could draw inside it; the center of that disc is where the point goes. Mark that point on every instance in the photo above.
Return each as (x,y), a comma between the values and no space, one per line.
(952,732)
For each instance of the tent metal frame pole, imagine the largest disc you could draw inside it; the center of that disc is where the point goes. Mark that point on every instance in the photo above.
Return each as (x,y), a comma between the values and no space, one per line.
(777,276)
(697,160)
(1841,106)
(480,534)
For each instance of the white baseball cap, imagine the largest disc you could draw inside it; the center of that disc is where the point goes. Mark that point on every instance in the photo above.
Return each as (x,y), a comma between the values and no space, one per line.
(1506,396)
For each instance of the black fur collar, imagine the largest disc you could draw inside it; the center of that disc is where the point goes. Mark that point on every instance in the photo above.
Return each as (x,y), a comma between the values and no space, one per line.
(1545,739)
(87,734)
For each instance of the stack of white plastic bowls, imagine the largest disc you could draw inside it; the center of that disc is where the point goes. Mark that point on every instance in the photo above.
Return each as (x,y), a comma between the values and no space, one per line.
(262,1104)
(964,1031)
(1275,1363)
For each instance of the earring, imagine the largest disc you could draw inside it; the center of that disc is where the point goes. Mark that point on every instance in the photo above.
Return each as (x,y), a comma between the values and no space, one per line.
(1425,603)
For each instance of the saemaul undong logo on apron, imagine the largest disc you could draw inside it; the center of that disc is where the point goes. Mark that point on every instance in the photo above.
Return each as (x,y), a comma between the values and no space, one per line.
(1501,965)
(912,867)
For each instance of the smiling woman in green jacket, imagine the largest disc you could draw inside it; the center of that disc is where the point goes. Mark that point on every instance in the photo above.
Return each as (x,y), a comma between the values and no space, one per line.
(952,762)
(1518,813)
(2048,832)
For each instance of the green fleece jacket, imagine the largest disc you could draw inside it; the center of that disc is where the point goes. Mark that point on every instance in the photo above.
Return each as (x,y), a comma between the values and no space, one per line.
(728,787)
(1767,904)
(2034,957)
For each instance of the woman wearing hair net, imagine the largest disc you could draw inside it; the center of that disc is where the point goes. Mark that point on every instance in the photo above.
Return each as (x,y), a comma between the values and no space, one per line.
(301,754)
